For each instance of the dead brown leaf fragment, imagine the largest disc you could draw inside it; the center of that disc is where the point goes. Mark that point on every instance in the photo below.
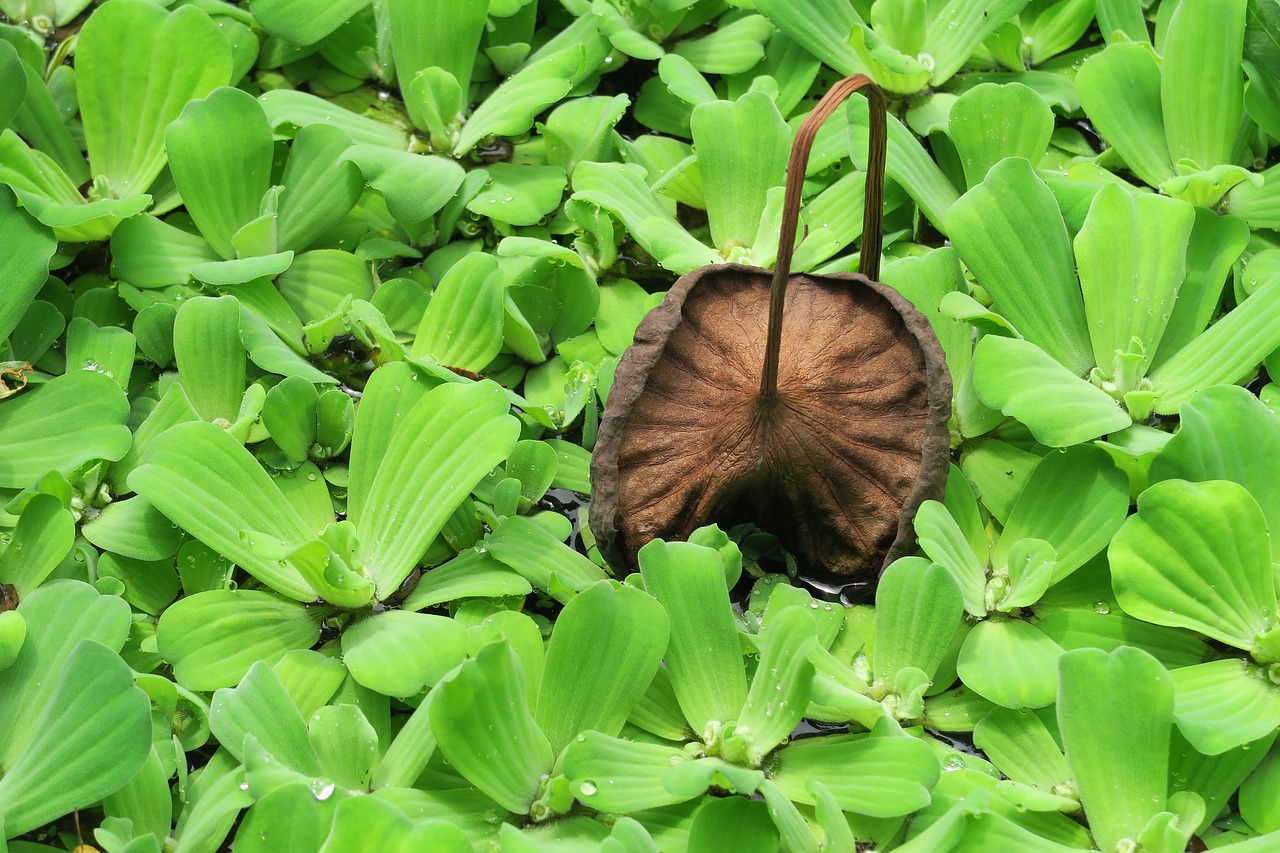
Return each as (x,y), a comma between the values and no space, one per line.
(828,430)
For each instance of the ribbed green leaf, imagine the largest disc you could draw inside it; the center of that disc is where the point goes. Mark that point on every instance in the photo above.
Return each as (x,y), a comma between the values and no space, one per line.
(173,408)
(345,745)
(311,679)
(24,265)
(291,816)
(736,178)
(407,756)
(462,326)
(918,608)
(1018,743)
(925,280)
(704,657)
(303,23)
(1226,353)
(39,541)
(289,414)
(1075,500)
(543,80)
(943,540)
(320,188)
(1010,234)
(242,270)
(389,395)
(1197,556)
(1224,704)
(1202,85)
(958,27)
(145,800)
(580,129)
(220,153)
(990,122)
(606,647)
(519,194)
(1020,379)
(1058,27)
(260,706)
(1216,243)
(372,825)
(822,27)
(615,775)
(108,350)
(40,121)
(1259,804)
(470,574)
(782,685)
(907,163)
(544,560)
(210,486)
(149,585)
(1119,89)
(439,33)
(484,728)
(211,359)
(621,190)
(1011,663)
(148,252)
(733,48)
(58,616)
(415,186)
(1223,433)
(67,763)
(733,823)
(1123,16)
(291,106)
(1121,768)
(453,436)
(1131,256)
(874,776)
(60,425)
(1080,628)
(11,67)
(133,528)
(213,638)
(137,66)
(37,331)
(999,471)
(399,653)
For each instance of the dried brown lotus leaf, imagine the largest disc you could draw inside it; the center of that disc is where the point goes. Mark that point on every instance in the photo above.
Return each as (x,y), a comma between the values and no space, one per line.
(835,461)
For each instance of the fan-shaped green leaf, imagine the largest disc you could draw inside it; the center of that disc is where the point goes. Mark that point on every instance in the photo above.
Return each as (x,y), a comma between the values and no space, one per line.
(606,647)
(210,486)
(212,638)
(220,153)
(446,444)
(1197,556)
(137,66)
(484,728)
(61,425)
(399,653)
(67,763)
(1023,381)
(1010,234)
(1121,769)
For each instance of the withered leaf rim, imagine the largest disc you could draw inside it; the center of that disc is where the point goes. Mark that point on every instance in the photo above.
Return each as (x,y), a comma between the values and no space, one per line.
(651,340)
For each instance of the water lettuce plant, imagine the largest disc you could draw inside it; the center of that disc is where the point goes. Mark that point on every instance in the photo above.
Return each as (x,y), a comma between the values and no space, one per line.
(311,313)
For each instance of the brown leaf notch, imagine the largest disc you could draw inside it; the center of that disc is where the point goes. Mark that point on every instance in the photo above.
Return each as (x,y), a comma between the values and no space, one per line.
(827,429)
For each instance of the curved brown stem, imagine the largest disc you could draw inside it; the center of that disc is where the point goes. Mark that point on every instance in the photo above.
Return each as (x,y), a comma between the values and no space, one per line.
(873,201)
